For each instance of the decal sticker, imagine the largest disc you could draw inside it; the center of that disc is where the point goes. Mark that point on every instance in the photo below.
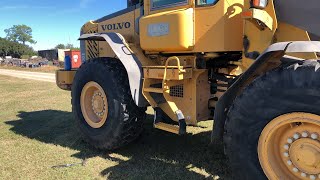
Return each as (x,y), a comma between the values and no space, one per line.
(160,29)
(75,58)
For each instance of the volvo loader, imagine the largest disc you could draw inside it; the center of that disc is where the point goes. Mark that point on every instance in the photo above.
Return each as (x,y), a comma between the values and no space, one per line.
(250,64)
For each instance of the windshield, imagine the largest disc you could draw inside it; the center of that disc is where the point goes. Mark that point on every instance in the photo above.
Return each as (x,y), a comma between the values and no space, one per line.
(161,3)
(206,2)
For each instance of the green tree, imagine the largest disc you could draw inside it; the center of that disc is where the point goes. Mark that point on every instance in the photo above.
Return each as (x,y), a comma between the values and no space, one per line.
(60,46)
(69,46)
(20,33)
(14,49)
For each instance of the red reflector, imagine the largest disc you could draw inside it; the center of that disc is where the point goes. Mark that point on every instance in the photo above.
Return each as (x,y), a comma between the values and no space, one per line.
(247,14)
(256,3)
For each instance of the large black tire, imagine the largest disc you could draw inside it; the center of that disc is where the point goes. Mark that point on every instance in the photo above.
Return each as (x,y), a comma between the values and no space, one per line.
(124,120)
(295,88)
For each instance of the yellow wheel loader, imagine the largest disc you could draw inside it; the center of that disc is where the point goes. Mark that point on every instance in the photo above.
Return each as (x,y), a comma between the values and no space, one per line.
(250,64)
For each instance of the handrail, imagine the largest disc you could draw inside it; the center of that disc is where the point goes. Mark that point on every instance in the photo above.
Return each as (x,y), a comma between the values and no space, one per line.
(166,68)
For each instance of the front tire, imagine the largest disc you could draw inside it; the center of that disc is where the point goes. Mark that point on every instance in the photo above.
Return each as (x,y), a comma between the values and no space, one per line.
(102,105)
(273,96)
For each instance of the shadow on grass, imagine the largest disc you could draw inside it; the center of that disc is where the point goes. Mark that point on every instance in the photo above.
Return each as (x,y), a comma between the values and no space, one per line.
(155,155)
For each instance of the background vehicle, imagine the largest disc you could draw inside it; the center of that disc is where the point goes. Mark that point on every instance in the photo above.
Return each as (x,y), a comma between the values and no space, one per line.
(249,62)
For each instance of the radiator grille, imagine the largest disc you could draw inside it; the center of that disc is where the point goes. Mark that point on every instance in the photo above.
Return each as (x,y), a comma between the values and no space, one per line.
(176,91)
(92,47)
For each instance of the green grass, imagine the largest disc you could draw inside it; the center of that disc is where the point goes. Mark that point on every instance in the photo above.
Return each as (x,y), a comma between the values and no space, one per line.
(37,132)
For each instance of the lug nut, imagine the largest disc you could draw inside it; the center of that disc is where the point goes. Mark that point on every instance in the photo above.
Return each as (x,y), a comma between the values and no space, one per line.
(303,174)
(312,177)
(286,154)
(286,147)
(296,136)
(289,163)
(314,136)
(295,169)
(305,134)
(289,140)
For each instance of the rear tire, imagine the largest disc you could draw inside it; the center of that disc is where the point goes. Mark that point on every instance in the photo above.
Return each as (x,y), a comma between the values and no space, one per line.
(284,90)
(124,119)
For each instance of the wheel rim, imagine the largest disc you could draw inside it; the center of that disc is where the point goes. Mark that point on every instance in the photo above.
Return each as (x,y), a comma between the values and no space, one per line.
(94,104)
(289,147)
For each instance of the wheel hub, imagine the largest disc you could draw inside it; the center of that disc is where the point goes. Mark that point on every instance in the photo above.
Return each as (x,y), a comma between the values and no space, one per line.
(98,104)
(289,147)
(94,104)
(304,154)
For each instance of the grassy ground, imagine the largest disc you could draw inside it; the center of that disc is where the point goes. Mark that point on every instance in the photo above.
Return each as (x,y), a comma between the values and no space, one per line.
(37,132)
(45,69)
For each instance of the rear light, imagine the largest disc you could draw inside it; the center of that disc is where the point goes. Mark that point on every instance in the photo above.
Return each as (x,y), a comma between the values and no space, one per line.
(261,4)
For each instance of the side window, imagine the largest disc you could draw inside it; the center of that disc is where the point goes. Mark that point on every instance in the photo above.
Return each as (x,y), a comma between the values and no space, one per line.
(157,4)
(206,2)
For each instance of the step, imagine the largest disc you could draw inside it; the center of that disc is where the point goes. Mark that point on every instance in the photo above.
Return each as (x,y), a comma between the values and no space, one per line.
(167,127)
(153,90)
(173,72)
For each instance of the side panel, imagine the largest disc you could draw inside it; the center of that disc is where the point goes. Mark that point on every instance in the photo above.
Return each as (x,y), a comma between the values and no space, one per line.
(219,27)
(173,31)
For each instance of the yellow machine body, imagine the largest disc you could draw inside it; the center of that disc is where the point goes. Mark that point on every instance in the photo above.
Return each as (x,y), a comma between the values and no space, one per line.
(177,29)
(64,79)
(194,34)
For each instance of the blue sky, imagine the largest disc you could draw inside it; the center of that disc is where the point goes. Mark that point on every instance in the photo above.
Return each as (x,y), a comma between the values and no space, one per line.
(54,21)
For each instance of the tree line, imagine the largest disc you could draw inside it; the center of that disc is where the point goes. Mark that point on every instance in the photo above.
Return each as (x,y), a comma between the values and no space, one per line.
(66,46)
(15,49)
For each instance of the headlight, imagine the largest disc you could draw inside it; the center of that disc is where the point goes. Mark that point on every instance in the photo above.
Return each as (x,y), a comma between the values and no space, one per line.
(261,4)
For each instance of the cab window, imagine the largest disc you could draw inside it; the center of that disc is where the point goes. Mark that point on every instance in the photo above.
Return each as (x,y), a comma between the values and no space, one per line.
(156,4)
(206,2)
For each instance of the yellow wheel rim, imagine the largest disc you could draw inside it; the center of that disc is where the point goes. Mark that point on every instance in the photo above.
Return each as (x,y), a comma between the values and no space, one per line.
(289,147)
(94,104)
